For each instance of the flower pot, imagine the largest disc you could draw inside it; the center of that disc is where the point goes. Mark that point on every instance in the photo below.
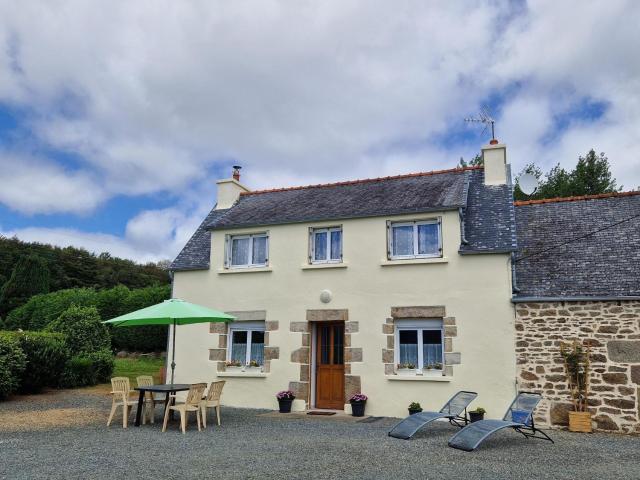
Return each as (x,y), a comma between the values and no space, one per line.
(357,409)
(431,372)
(233,369)
(411,412)
(476,416)
(406,372)
(253,369)
(580,422)
(285,404)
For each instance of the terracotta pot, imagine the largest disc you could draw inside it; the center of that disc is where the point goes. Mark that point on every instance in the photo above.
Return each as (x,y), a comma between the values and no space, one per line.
(580,422)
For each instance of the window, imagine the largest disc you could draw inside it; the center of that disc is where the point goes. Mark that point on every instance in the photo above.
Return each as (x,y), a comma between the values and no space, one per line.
(325,245)
(248,250)
(420,239)
(246,342)
(420,344)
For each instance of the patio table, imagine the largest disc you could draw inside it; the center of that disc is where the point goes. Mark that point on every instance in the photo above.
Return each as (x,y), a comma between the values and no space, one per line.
(167,389)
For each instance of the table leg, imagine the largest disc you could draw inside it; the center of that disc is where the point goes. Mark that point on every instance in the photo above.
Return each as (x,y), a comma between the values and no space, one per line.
(166,405)
(139,411)
(172,411)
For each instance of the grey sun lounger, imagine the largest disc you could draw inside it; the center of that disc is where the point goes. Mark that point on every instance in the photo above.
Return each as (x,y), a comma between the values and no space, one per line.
(452,411)
(519,416)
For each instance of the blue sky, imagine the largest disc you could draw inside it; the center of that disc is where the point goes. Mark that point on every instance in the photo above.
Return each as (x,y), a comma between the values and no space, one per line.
(114,125)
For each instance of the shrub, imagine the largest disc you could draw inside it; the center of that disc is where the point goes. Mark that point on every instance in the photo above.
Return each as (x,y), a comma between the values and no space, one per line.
(12,364)
(46,354)
(88,369)
(83,330)
(29,276)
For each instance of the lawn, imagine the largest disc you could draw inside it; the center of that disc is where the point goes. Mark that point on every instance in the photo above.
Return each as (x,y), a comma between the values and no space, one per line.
(132,367)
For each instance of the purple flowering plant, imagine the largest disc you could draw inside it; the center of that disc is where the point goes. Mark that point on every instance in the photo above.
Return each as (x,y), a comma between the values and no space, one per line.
(285,395)
(358,397)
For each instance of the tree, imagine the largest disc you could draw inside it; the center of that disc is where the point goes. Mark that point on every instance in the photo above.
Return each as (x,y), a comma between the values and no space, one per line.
(29,277)
(475,161)
(83,330)
(591,176)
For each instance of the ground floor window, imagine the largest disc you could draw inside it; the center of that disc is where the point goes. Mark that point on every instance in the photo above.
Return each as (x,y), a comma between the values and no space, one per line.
(246,342)
(419,344)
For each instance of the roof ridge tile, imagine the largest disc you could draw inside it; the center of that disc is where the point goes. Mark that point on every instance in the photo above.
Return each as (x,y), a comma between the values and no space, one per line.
(519,203)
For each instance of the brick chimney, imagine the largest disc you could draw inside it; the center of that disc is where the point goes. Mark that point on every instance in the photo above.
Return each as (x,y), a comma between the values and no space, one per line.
(229,189)
(494,156)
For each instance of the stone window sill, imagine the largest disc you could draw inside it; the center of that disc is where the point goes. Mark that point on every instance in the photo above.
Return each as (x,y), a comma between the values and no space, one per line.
(245,270)
(418,378)
(242,374)
(321,266)
(413,261)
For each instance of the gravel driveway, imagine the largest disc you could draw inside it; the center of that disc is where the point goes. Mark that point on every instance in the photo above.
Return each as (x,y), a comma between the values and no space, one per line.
(250,444)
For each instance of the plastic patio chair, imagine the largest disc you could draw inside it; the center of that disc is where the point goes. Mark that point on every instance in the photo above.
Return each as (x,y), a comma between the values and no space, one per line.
(120,392)
(150,398)
(452,411)
(519,416)
(212,400)
(191,404)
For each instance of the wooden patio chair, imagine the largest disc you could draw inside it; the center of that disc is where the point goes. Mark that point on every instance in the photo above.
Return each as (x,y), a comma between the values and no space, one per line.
(150,398)
(212,400)
(191,404)
(120,391)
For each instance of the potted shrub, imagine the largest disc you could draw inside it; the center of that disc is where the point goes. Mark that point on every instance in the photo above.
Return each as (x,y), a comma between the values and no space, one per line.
(576,365)
(477,414)
(406,369)
(432,369)
(358,402)
(285,399)
(253,366)
(233,366)
(414,407)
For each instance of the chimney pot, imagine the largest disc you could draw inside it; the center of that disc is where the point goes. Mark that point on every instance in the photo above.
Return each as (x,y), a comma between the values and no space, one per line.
(236,172)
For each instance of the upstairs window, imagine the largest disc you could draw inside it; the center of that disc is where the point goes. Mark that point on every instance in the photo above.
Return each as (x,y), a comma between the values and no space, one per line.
(325,245)
(419,239)
(245,251)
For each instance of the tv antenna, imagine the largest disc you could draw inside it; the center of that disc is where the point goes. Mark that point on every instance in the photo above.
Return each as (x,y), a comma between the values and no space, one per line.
(486,119)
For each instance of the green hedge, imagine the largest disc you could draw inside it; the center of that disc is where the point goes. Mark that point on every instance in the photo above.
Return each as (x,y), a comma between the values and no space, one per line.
(88,369)
(46,354)
(12,364)
(41,310)
(83,329)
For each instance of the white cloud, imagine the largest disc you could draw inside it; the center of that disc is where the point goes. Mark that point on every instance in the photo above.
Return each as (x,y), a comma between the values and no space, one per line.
(150,95)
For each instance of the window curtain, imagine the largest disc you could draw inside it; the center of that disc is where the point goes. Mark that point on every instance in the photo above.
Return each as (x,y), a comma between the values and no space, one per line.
(320,246)
(336,245)
(428,243)
(431,353)
(408,353)
(240,251)
(257,352)
(403,240)
(239,350)
(259,250)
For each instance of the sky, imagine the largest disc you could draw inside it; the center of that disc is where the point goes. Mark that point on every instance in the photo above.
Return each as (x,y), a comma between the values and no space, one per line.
(117,118)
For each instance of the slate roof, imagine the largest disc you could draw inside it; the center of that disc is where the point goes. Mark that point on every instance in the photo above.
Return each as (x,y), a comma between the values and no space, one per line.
(489,217)
(196,253)
(489,223)
(605,264)
(413,193)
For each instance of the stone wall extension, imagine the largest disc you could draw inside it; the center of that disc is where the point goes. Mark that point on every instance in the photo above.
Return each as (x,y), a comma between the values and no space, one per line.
(612,329)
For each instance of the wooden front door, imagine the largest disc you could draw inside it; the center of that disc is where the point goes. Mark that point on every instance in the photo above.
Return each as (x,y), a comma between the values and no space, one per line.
(330,365)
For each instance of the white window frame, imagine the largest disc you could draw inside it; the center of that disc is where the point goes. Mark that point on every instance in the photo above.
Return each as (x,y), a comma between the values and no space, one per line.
(251,236)
(312,244)
(414,224)
(418,325)
(243,327)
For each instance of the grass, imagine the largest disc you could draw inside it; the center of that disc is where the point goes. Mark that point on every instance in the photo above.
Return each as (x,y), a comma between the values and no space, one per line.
(132,367)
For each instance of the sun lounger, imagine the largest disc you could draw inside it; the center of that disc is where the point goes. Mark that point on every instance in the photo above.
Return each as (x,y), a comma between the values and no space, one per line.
(519,416)
(452,411)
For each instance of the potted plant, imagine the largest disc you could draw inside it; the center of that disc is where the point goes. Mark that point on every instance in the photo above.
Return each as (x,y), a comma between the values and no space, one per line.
(233,366)
(576,365)
(406,369)
(477,414)
(414,407)
(432,369)
(358,402)
(253,366)
(285,399)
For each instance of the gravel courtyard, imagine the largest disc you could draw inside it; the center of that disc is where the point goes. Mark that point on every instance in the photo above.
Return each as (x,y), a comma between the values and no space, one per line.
(63,435)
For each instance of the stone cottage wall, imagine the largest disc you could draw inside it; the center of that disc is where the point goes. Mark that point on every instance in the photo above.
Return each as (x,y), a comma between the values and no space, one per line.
(612,329)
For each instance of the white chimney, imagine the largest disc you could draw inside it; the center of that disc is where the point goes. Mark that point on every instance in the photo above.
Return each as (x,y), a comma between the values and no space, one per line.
(229,190)
(494,156)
